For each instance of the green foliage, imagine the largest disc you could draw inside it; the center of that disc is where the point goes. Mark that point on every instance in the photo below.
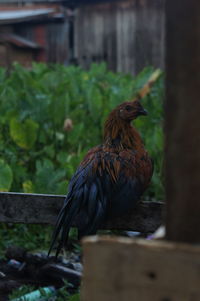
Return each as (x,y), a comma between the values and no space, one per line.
(31,237)
(23,290)
(24,134)
(6,176)
(38,155)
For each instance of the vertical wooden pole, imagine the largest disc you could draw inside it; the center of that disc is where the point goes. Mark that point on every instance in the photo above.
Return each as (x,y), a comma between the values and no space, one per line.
(182,125)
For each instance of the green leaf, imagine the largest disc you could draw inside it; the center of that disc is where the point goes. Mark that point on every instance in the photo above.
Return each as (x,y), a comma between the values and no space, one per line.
(28,186)
(62,158)
(48,178)
(94,99)
(76,133)
(49,150)
(6,176)
(24,134)
(75,297)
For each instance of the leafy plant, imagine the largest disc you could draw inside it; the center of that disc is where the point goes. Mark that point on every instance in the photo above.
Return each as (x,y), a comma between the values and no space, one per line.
(31,237)
(39,155)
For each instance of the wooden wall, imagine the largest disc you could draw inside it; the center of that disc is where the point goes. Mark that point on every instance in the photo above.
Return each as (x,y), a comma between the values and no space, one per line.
(52,36)
(127,34)
(58,43)
(3,55)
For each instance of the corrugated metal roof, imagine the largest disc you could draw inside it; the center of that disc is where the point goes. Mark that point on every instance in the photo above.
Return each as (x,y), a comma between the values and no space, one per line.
(64,2)
(30,1)
(19,41)
(15,16)
(53,1)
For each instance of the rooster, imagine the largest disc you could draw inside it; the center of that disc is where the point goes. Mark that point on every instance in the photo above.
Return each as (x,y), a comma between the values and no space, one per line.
(111,178)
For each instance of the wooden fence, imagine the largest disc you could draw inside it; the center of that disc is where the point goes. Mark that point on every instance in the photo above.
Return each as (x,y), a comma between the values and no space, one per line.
(43,209)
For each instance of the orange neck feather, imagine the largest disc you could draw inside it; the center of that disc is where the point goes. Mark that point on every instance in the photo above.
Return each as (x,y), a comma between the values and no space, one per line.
(120,134)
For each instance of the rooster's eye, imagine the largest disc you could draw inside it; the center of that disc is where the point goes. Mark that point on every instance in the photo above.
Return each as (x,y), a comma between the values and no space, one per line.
(128,108)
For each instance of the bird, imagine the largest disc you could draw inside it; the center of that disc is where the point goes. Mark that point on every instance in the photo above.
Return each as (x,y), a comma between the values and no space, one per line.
(110,179)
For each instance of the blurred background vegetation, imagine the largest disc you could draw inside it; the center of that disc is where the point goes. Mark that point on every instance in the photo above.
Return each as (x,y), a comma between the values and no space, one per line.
(38,154)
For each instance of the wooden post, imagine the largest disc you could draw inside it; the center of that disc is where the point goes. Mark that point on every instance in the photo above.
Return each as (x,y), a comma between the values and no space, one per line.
(121,269)
(182,126)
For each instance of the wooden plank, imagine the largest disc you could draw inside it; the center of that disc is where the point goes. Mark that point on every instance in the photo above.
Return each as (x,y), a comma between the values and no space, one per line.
(139,270)
(182,120)
(29,208)
(43,209)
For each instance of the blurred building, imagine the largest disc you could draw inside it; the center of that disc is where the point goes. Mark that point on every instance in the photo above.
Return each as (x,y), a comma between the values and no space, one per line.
(33,32)
(127,34)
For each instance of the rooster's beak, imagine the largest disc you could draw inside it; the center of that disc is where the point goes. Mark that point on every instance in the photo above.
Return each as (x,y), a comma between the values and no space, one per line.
(142,112)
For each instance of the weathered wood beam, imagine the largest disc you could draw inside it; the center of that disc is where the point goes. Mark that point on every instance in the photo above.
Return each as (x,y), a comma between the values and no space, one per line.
(182,126)
(29,208)
(43,209)
(118,269)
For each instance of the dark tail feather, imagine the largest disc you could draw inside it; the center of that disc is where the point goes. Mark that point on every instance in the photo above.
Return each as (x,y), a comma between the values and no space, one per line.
(62,241)
(66,227)
(94,224)
(63,224)
(58,226)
